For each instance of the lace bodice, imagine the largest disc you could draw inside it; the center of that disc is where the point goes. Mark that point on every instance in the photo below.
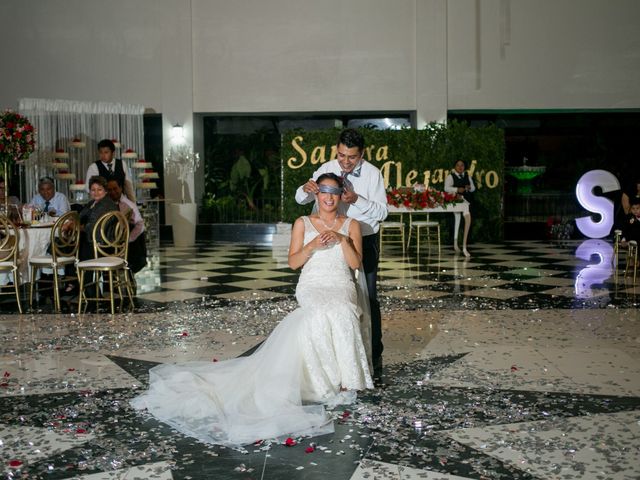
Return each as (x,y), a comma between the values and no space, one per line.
(326,266)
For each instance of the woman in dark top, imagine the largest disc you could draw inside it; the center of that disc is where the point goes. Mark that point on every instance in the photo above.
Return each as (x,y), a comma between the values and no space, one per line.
(99,204)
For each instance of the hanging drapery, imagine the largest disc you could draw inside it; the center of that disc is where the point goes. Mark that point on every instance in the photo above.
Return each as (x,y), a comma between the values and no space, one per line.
(59,122)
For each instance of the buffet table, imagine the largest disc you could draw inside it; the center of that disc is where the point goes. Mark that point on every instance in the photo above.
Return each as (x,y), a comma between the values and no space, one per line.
(458,210)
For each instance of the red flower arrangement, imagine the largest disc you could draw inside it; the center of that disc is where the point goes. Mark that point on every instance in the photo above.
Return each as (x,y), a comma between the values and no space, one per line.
(17,137)
(419,197)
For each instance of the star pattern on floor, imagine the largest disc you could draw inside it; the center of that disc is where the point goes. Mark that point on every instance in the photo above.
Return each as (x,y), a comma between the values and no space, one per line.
(98,431)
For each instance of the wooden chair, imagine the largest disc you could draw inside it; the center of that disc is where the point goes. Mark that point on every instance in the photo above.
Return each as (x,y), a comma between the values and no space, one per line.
(64,251)
(392,232)
(431,228)
(110,243)
(9,244)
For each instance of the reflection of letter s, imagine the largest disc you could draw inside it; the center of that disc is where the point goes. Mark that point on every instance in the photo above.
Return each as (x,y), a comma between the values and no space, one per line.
(603,206)
(594,274)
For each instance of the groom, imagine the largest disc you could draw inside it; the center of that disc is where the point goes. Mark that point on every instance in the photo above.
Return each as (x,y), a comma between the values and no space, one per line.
(365,196)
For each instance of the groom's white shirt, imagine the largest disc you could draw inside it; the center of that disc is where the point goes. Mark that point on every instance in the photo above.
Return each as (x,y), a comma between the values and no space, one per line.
(370,208)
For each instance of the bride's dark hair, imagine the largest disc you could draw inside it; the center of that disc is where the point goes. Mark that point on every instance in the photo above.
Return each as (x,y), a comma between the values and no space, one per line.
(330,176)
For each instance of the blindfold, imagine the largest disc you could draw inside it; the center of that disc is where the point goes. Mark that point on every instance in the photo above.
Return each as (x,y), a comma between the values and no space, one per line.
(330,189)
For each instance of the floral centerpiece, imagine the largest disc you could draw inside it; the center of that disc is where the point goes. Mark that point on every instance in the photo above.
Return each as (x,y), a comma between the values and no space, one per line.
(419,197)
(17,141)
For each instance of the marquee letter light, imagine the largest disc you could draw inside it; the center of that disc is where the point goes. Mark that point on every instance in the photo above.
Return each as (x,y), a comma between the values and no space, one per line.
(596,273)
(601,205)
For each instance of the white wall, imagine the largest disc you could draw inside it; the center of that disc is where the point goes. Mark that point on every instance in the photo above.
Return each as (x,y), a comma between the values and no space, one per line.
(303,55)
(543,54)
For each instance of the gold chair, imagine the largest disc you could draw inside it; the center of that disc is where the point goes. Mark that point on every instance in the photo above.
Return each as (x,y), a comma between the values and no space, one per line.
(418,226)
(392,232)
(632,259)
(9,244)
(110,244)
(617,236)
(64,251)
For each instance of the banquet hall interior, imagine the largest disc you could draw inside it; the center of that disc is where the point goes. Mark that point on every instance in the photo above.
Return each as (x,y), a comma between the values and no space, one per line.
(511,350)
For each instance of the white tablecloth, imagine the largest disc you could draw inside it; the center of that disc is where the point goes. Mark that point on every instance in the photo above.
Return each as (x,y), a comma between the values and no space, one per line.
(458,209)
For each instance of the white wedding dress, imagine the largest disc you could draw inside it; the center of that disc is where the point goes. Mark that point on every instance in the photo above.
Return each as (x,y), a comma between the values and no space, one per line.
(280,390)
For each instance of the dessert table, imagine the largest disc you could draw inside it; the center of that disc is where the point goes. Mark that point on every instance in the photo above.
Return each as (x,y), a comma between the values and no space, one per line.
(458,210)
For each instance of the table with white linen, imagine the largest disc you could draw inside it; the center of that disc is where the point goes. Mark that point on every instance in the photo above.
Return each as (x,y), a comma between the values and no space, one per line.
(34,241)
(457,209)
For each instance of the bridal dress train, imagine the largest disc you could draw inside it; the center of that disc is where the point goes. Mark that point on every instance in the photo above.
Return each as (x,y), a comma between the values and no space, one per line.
(309,360)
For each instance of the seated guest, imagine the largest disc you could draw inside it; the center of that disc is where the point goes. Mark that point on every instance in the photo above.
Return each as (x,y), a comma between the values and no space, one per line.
(99,204)
(14,203)
(48,200)
(137,254)
(631,225)
(14,216)
(630,193)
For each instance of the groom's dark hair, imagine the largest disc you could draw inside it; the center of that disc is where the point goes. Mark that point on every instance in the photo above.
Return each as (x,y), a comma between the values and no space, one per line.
(350,138)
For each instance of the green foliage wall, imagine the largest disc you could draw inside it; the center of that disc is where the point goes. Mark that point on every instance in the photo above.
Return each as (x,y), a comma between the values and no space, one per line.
(406,157)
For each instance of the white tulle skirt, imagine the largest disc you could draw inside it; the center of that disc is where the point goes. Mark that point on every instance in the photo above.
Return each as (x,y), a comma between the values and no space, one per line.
(308,361)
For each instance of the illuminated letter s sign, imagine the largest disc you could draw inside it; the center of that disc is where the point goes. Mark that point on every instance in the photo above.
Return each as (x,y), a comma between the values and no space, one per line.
(601,205)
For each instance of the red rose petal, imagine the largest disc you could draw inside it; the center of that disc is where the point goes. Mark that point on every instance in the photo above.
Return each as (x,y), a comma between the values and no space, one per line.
(80,430)
(309,450)
(6,375)
(185,334)
(289,442)
(15,463)
(215,360)
(72,369)
(346,414)
(514,368)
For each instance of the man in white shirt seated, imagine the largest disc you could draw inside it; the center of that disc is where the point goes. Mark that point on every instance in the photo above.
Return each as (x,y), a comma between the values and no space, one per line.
(109,168)
(137,254)
(54,204)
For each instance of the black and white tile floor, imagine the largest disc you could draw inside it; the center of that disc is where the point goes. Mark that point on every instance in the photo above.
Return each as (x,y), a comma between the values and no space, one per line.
(520,362)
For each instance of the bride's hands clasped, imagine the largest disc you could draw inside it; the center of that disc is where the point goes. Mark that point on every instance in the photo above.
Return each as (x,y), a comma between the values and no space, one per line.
(325,240)
(329,237)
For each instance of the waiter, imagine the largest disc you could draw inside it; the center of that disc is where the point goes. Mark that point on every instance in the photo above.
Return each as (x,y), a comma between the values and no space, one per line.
(111,168)
(366,201)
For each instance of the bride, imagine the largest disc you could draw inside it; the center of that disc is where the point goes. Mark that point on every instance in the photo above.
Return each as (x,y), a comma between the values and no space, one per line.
(315,356)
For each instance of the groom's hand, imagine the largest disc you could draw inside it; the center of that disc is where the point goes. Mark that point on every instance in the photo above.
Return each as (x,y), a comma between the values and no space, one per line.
(311,187)
(349,196)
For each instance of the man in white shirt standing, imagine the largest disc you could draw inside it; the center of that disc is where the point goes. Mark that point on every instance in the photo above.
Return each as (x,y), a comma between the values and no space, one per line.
(137,254)
(52,203)
(108,168)
(365,196)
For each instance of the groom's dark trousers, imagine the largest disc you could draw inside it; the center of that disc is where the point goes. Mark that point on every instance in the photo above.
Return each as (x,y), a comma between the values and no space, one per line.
(371,256)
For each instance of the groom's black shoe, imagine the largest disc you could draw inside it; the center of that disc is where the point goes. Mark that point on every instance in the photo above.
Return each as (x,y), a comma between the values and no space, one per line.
(377,367)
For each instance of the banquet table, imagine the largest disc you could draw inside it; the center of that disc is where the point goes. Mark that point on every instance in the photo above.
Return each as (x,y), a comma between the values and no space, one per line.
(458,210)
